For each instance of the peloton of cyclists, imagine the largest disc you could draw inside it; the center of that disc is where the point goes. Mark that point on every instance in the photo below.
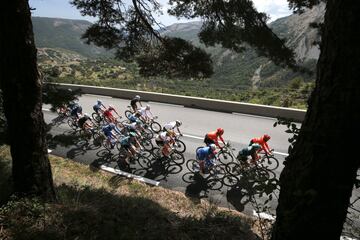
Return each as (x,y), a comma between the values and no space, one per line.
(133,103)
(206,157)
(99,107)
(108,114)
(164,140)
(213,137)
(171,126)
(108,131)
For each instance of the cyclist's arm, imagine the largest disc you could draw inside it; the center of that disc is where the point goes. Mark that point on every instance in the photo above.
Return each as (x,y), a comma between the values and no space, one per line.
(221,138)
(178,129)
(266,148)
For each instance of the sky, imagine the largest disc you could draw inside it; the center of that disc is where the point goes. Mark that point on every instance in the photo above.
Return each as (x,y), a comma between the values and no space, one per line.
(63,9)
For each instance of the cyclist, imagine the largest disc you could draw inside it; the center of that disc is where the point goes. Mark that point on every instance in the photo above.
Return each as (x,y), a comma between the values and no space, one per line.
(249,151)
(262,141)
(99,107)
(145,114)
(134,127)
(164,141)
(108,132)
(134,101)
(75,110)
(172,125)
(108,114)
(206,157)
(133,118)
(83,122)
(130,144)
(212,137)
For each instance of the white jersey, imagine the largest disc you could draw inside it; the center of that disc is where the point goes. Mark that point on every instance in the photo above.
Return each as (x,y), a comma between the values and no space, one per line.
(144,112)
(170,125)
(162,137)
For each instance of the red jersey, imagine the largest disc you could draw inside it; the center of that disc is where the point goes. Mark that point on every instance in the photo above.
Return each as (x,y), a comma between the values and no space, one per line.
(213,136)
(107,113)
(262,143)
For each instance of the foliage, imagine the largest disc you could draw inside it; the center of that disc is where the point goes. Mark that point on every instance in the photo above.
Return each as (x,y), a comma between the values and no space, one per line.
(129,29)
(58,97)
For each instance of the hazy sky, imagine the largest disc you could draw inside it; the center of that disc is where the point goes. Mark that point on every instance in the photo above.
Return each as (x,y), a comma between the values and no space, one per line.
(63,9)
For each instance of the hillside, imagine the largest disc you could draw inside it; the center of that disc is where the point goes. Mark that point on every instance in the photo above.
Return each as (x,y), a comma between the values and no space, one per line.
(250,70)
(93,204)
(65,34)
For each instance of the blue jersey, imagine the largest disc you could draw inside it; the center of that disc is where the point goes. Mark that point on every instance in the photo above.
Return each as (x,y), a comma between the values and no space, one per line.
(132,118)
(204,153)
(97,106)
(107,130)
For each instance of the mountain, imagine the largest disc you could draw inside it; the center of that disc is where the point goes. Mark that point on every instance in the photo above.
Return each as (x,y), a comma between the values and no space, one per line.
(65,34)
(232,70)
(246,68)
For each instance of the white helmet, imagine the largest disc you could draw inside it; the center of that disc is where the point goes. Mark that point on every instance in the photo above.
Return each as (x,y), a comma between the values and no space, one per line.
(86,115)
(137,97)
(178,123)
(147,107)
(212,147)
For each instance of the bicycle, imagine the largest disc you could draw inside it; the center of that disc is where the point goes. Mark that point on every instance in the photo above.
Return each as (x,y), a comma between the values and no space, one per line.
(173,156)
(179,145)
(269,160)
(73,123)
(226,153)
(154,126)
(214,173)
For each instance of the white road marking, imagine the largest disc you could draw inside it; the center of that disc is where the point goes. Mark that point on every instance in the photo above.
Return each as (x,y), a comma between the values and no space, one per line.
(98,96)
(129,175)
(46,109)
(191,136)
(283,154)
(167,104)
(49,150)
(347,238)
(264,215)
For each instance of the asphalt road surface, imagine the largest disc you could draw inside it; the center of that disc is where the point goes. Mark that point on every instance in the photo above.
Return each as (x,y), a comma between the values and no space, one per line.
(239,129)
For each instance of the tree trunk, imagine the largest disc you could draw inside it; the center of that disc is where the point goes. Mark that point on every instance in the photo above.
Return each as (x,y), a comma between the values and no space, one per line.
(318,178)
(21,88)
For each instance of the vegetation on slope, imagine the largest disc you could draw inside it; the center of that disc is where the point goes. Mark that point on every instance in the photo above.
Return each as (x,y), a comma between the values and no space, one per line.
(96,205)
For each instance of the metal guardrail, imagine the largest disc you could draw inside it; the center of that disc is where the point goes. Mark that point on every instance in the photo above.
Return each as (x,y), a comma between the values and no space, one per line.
(193,102)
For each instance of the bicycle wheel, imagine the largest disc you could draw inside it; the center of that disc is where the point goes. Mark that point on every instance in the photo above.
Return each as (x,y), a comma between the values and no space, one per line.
(271,163)
(177,158)
(156,127)
(97,118)
(234,169)
(147,145)
(107,145)
(143,161)
(72,124)
(128,113)
(188,177)
(193,165)
(214,184)
(148,134)
(225,157)
(98,139)
(180,146)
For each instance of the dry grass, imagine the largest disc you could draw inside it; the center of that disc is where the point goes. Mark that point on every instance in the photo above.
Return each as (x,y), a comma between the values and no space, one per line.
(98,205)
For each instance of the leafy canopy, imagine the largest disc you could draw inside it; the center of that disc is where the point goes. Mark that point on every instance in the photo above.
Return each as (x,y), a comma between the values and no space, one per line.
(131,29)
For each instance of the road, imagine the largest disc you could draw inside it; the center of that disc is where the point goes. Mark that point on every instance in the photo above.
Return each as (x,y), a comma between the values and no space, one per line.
(239,129)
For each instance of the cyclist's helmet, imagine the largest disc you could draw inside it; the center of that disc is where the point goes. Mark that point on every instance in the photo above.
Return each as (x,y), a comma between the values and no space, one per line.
(99,101)
(212,147)
(266,137)
(137,97)
(147,107)
(111,107)
(220,131)
(112,126)
(178,123)
(256,146)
